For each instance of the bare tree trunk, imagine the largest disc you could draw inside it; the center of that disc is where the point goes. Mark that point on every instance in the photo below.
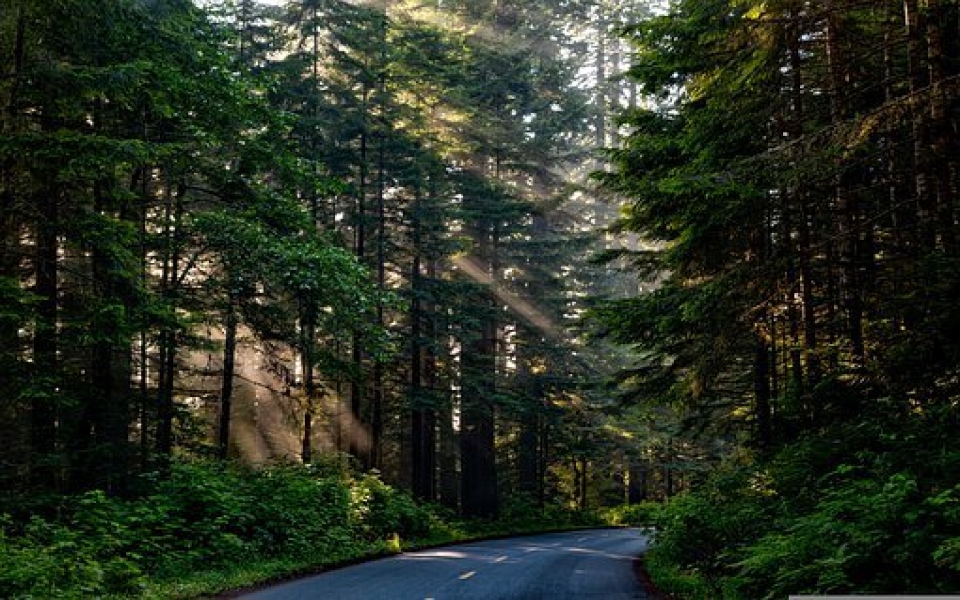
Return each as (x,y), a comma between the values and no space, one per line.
(423,434)
(356,383)
(600,96)
(915,26)
(168,336)
(944,162)
(529,452)
(43,409)
(477,431)
(308,332)
(111,367)
(16,452)
(449,488)
(847,203)
(544,460)
(376,418)
(801,210)
(230,326)
(448,443)
(764,413)
(584,483)
(637,488)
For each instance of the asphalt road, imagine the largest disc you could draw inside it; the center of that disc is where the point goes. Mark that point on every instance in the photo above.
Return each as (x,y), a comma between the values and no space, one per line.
(595,564)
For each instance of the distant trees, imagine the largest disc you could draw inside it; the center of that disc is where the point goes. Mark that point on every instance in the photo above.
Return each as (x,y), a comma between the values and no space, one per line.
(351,210)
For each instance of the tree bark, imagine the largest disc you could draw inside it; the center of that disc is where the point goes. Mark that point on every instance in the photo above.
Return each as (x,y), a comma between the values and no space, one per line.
(356,383)
(423,435)
(169,284)
(43,409)
(764,414)
(847,203)
(111,366)
(308,332)
(230,326)
(477,456)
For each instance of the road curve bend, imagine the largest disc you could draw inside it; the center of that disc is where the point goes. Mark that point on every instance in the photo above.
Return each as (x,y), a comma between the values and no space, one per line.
(595,564)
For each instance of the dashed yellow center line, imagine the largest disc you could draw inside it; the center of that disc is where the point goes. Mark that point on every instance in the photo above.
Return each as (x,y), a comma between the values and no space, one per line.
(468,575)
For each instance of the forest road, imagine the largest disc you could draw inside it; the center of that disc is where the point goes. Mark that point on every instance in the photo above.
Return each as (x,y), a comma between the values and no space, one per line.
(593,564)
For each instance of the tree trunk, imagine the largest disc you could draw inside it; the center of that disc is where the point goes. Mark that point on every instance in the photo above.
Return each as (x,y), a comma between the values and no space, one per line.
(230,325)
(944,161)
(800,207)
(762,396)
(449,457)
(915,26)
(12,420)
(600,96)
(423,436)
(477,431)
(544,461)
(637,489)
(529,452)
(43,409)
(584,483)
(111,368)
(169,285)
(448,442)
(847,203)
(308,329)
(356,384)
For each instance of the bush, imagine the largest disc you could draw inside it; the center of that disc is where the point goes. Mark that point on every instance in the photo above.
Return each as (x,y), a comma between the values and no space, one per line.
(865,535)
(49,560)
(380,511)
(805,522)
(216,526)
(643,514)
(296,512)
(206,514)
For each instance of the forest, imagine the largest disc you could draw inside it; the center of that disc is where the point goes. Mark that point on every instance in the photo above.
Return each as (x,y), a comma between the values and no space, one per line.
(287,283)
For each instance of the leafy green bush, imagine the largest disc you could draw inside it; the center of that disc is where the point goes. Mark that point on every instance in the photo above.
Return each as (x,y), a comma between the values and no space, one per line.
(379,511)
(202,513)
(642,514)
(699,532)
(207,526)
(49,560)
(866,535)
(294,511)
(804,522)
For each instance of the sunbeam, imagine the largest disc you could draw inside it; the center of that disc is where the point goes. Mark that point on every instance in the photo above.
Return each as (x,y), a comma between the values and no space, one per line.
(523,308)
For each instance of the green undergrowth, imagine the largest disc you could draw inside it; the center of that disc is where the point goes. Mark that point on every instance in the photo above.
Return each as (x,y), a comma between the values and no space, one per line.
(837,514)
(208,527)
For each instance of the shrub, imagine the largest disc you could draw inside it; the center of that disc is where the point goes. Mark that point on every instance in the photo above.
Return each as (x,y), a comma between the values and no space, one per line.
(643,514)
(380,511)
(49,560)
(865,535)
(295,511)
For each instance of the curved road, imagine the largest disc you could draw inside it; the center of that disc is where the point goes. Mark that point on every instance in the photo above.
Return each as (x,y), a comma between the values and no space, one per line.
(597,564)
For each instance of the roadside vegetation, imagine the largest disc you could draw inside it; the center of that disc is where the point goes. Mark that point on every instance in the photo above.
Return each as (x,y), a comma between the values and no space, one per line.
(211,527)
(855,510)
